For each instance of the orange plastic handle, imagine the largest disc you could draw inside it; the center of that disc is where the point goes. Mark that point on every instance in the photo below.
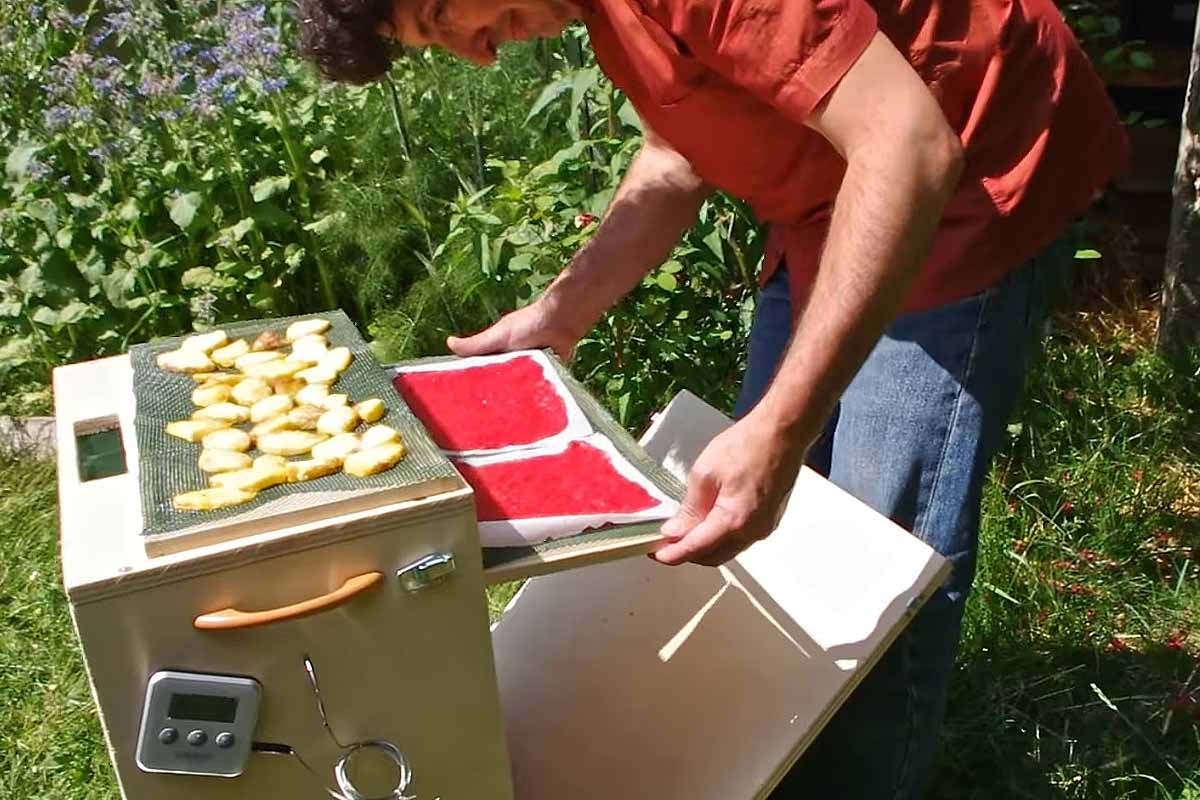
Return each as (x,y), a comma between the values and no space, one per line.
(231,618)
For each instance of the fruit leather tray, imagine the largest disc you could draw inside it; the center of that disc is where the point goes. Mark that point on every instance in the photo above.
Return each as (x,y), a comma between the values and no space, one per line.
(168,466)
(522,416)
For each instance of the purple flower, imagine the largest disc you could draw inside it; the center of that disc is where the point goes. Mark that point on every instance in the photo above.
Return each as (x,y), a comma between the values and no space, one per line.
(158,86)
(237,49)
(127,19)
(59,116)
(64,115)
(202,105)
(37,169)
(105,151)
(61,19)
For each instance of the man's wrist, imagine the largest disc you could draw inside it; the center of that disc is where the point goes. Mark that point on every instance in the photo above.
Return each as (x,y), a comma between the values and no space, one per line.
(567,302)
(796,421)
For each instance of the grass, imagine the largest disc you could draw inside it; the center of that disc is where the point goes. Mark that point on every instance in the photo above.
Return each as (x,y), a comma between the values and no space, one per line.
(1080,668)
(51,747)
(1079,675)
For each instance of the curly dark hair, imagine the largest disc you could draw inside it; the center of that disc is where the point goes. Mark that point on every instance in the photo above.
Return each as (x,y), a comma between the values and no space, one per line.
(340,37)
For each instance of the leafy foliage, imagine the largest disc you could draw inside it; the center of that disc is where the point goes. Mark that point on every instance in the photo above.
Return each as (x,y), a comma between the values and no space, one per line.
(684,326)
(163,171)
(1098,26)
(172,166)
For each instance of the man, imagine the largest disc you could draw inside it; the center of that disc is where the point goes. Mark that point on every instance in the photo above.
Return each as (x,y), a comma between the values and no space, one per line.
(918,163)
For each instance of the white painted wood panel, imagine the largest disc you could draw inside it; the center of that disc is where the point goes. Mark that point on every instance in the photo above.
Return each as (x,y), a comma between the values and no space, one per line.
(631,679)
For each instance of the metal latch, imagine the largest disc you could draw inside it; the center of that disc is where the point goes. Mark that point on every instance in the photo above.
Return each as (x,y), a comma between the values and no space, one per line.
(433,568)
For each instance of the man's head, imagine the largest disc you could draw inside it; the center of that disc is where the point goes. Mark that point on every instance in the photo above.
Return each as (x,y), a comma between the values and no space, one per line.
(356,40)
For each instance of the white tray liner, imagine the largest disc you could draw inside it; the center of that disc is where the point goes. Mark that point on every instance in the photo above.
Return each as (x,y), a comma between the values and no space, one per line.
(535,530)
(577,427)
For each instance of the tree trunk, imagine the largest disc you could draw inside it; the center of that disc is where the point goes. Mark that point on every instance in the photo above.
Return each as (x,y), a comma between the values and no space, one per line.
(1179,325)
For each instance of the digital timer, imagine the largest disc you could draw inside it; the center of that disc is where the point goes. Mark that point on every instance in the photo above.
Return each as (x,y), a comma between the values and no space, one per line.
(198,724)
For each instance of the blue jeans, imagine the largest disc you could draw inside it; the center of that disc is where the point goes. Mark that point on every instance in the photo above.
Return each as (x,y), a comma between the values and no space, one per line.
(912,437)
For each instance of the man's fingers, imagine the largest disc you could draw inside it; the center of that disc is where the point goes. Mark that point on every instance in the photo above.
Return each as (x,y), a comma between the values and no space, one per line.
(701,494)
(722,554)
(489,340)
(699,541)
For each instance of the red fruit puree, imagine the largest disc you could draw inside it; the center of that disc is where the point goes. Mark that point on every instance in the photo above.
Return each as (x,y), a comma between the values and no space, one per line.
(485,407)
(580,480)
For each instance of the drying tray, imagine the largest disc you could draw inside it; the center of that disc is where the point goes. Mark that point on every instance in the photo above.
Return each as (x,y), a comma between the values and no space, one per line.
(168,465)
(503,563)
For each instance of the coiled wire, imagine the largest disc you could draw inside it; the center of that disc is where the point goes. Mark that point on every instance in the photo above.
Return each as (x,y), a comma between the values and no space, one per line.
(344,788)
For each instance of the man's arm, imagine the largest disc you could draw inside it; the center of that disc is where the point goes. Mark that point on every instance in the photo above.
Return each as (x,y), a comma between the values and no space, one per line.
(903,164)
(656,202)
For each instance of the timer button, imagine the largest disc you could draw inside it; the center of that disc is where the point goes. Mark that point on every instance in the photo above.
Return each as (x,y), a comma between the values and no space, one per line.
(225,740)
(168,735)
(197,738)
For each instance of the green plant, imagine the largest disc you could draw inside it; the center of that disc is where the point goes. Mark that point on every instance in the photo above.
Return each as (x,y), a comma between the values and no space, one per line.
(1079,659)
(429,134)
(162,171)
(684,326)
(1097,24)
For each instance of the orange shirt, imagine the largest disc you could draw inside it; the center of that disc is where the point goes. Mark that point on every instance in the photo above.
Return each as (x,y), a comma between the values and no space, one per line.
(729,83)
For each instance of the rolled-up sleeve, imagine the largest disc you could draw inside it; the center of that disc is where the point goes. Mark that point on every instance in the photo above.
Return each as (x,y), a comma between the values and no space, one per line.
(788,53)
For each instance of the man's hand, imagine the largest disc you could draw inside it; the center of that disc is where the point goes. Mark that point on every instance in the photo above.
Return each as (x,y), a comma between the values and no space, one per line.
(533,327)
(735,495)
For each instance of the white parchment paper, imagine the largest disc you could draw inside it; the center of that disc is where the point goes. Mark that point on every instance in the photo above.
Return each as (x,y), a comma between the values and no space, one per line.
(535,530)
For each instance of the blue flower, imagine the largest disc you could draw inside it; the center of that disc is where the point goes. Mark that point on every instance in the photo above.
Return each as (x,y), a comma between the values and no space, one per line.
(155,86)
(37,169)
(105,151)
(274,85)
(59,116)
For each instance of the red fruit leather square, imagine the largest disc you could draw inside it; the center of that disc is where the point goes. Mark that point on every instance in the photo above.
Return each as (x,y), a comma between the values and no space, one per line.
(506,404)
(580,480)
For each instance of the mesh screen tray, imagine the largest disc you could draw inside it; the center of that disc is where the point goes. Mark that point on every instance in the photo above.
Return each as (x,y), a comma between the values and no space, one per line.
(511,562)
(168,466)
